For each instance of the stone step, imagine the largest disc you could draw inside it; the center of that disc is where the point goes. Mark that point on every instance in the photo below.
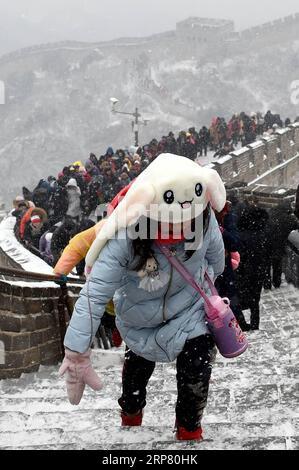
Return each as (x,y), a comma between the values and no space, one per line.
(253,400)
(217,436)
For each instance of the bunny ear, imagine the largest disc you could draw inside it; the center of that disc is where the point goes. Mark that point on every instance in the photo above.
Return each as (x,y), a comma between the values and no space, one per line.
(129,210)
(216,190)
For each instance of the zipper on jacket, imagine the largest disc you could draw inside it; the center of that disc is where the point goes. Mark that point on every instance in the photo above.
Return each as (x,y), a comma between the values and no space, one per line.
(166,293)
(166,353)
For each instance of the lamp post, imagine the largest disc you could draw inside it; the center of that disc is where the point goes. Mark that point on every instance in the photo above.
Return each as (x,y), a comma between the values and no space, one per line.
(135,123)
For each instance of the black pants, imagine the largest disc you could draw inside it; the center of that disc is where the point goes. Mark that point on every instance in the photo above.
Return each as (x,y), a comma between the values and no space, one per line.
(203,148)
(237,311)
(274,277)
(194,367)
(277,271)
(254,314)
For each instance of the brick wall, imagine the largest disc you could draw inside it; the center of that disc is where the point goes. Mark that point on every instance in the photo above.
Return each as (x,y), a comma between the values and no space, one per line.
(241,163)
(224,166)
(295,135)
(258,159)
(267,196)
(284,139)
(271,150)
(29,328)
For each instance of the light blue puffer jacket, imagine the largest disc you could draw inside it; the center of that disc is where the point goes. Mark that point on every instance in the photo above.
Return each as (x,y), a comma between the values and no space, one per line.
(155,325)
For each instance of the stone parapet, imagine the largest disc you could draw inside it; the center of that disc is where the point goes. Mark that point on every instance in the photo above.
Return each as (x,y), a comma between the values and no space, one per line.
(30,332)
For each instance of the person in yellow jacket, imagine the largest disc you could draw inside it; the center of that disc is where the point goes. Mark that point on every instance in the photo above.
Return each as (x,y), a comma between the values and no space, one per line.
(75,252)
(77,249)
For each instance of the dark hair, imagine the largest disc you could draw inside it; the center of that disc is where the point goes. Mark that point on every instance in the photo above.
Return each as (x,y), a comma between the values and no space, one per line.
(143,248)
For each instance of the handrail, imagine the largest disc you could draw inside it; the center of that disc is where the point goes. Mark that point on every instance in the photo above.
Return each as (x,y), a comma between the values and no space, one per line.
(11,272)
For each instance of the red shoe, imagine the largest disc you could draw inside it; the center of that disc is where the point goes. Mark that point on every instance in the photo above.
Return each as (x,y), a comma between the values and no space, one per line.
(116,338)
(131,420)
(183,435)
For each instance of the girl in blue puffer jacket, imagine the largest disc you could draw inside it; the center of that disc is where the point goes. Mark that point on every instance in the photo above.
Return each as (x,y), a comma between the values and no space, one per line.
(160,317)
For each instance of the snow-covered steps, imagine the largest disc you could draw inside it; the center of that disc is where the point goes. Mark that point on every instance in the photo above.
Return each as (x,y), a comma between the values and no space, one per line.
(253,401)
(109,437)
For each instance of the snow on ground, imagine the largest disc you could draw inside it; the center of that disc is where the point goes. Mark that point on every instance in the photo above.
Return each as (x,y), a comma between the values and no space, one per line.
(253,401)
(210,156)
(15,250)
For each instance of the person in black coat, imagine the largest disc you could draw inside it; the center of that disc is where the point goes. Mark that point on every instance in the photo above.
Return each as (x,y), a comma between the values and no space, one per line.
(58,202)
(282,221)
(33,231)
(226,283)
(254,253)
(204,140)
(41,195)
(61,237)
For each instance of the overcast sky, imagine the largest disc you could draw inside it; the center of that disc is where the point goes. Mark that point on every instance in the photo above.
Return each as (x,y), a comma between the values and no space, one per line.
(27,22)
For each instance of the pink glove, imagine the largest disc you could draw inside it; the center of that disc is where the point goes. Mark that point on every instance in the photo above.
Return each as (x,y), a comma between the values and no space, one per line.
(79,372)
(235,258)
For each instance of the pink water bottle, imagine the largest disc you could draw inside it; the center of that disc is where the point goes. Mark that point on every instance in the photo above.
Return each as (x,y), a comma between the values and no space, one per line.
(228,336)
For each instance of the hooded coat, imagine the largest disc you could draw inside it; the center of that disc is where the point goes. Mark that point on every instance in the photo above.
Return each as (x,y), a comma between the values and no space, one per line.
(155,325)
(155,321)
(74,199)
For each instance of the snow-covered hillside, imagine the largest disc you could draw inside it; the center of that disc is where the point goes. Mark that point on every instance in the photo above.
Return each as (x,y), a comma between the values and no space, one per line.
(57,98)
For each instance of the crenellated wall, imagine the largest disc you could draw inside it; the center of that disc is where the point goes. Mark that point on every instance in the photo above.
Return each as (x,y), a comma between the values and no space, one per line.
(29,328)
(29,311)
(286,24)
(273,160)
(267,196)
(203,37)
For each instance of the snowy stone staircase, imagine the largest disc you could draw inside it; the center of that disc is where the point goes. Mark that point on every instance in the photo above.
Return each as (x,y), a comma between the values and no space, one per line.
(253,401)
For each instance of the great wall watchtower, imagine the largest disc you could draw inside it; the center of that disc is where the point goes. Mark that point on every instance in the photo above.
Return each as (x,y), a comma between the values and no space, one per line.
(207,36)
(200,34)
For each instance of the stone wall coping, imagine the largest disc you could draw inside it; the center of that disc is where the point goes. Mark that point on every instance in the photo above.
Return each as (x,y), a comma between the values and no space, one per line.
(269,138)
(210,166)
(237,153)
(282,131)
(15,250)
(47,284)
(256,144)
(265,190)
(224,159)
(24,258)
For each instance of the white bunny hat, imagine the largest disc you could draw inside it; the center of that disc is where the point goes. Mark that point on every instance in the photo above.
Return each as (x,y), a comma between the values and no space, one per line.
(170,184)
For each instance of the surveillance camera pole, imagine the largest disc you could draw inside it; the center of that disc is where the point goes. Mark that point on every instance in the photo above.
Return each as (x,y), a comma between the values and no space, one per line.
(137,115)
(135,123)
